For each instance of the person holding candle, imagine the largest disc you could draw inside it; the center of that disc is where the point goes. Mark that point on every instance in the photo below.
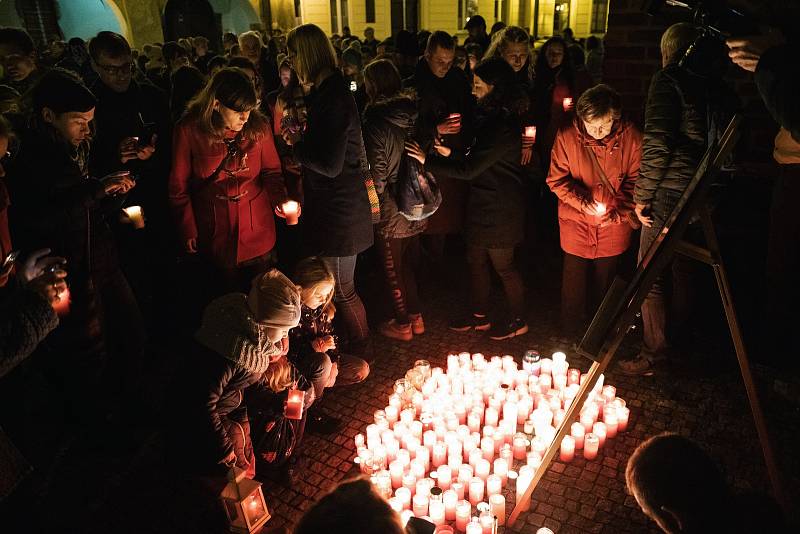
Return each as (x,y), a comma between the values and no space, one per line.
(496,209)
(312,344)
(388,120)
(595,163)
(353,506)
(236,355)
(337,208)
(226,179)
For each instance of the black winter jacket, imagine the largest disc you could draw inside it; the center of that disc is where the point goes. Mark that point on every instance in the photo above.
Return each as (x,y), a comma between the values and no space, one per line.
(336,212)
(778,81)
(684,112)
(387,125)
(496,209)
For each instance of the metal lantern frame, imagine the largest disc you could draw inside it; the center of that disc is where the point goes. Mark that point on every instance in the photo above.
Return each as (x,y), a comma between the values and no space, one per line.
(244,504)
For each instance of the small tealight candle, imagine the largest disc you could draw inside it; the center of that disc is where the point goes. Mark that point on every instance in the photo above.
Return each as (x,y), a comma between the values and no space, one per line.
(498,507)
(591,444)
(463,514)
(290,210)
(567,449)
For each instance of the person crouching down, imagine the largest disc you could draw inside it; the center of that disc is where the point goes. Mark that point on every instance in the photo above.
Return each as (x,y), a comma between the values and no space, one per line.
(312,347)
(240,337)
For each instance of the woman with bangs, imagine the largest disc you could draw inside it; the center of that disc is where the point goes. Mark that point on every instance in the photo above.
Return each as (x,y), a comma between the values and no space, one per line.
(226,179)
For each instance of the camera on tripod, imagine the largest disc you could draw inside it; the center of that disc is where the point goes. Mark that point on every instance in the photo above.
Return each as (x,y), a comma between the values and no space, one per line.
(717,22)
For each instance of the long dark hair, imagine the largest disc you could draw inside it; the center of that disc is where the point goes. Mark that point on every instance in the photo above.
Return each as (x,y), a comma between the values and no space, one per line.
(234,90)
(542,71)
(507,93)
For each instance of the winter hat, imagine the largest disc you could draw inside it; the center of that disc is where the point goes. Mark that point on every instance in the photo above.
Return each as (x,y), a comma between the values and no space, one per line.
(62,91)
(274,300)
(352,56)
(495,71)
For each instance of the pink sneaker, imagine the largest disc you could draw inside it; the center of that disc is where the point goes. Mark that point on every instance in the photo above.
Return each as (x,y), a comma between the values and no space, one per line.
(417,324)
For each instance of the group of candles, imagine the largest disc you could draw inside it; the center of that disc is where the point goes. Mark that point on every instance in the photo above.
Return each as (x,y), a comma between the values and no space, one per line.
(449,440)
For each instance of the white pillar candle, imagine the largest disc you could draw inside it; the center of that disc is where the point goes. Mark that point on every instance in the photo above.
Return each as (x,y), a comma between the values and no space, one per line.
(404,496)
(445,476)
(490,417)
(487,447)
(525,407)
(573,376)
(396,469)
(465,473)
(609,393)
(510,411)
(459,488)
(474,527)
(429,439)
(474,421)
(534,460)
(560,382)
(420,505)
(424,486)
(417,468)
(424,456)
(547,367)
(577,432)
(439,454)
(494,484)
(591,444)
(558,417)
(450,499)
(587,420)
(410,483)
(407,416)
(501,469)
(507,454)
(524,479)
(405,516)
(520,446)
(483,468)
(567,449)
(599,430)
(463,514)
(476,486)
(623,415)
(436,512)
(611,421)
(498,507)
(455,447)
(474,456)
(396,504)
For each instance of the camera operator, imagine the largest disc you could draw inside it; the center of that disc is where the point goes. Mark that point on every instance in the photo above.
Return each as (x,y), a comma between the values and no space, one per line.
(777,76)
(687,107)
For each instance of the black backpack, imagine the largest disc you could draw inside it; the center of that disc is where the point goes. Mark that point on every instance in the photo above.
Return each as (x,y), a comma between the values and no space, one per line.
(415,191)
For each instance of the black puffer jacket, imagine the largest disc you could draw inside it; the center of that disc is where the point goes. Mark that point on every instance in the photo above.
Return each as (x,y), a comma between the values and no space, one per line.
(387,124)
(338,221)
(684,111)
(496,209)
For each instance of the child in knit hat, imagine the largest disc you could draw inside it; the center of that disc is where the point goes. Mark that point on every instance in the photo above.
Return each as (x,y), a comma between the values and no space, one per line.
(240,346)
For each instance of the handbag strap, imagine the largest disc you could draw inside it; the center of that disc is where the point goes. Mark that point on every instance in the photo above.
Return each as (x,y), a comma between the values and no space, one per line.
(599,169)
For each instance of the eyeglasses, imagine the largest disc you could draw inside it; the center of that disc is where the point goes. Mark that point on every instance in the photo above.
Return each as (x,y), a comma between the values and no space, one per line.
(116,70)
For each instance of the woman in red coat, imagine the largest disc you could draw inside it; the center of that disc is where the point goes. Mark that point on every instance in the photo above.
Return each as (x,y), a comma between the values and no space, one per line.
(594,164)
(226,178)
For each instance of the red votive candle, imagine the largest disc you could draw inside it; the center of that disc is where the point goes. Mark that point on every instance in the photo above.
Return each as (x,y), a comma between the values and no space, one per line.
(294,404)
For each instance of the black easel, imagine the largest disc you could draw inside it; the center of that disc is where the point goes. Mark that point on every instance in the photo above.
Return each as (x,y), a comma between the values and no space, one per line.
(618,311)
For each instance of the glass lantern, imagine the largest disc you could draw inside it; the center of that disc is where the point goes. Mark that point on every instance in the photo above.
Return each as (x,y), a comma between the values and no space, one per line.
(244,503)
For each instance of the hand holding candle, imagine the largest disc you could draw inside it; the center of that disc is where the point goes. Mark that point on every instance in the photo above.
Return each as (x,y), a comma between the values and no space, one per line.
(135,215)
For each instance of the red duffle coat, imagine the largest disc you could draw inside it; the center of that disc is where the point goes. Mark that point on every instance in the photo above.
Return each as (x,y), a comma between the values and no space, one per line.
(231,217)
(574,180)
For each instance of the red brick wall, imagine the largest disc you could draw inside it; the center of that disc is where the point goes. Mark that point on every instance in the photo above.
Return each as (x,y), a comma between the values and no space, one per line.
(632,56)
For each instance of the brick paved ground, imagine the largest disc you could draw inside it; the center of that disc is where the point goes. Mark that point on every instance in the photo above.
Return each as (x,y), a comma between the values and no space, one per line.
(102,488)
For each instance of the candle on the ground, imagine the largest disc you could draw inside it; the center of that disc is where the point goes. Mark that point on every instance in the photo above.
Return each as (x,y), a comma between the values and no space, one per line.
(599,430)
(567,449)
(520,445)
(404,496)
(591,443)
(476,490)
(463,514)
(450,500)
(494,485)
(623,415)
(498,504)
(474,526)
(396,504)
(501,469)
(420,504)
(396,469)
(436,512)
(577,432)
(290,210)
(483,468)
(524,479)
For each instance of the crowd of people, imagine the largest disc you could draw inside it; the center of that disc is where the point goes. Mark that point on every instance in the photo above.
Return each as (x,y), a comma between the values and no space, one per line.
(297,151)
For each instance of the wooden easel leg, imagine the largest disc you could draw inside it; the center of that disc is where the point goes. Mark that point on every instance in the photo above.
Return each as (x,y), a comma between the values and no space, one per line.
(741,355)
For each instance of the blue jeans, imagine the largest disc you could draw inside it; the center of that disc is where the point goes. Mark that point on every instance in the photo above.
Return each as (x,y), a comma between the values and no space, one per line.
(349,307)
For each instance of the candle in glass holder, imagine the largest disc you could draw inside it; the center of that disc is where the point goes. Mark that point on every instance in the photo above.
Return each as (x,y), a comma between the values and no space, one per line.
(611,421)
(483,468)
(501,469)
(62,305)
(577,432)
(445,476)
(463,514)
(587,420)
(524,479)
(436,506)
(490,417)
(410,483)
(396,469)
(290,210)
(487,447)
(136,216)
(494,484)
(623,414)
(476,490)
(450,499)
(567,449)
(439,454)
(459,488)
(465,473)
(294,404)
(404,496)
(474,421)
(498,507)
(599,430)
(567,103)
(396,504)
(609,393)
(520,445)
(420,504)
(591,443)
(530,134)
(474,526)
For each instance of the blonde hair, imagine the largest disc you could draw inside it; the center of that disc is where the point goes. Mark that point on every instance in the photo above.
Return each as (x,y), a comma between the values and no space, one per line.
(311,272)
(252,34)
(279,375)
(506,36)
(312,50)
